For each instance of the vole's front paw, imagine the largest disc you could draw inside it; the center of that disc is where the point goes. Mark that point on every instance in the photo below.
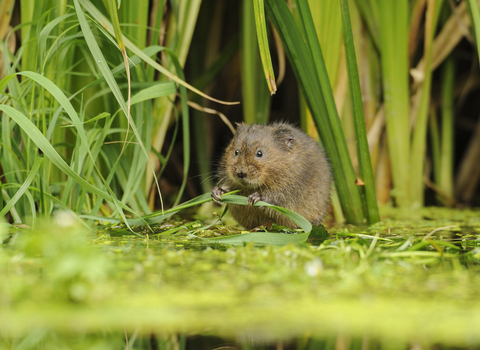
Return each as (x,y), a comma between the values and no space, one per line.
(217,194)
(254,198)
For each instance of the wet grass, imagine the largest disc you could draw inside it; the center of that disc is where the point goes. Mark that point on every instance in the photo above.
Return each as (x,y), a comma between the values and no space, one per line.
(402,280)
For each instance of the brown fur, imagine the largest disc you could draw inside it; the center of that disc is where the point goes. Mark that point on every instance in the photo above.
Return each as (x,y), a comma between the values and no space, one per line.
(292,172)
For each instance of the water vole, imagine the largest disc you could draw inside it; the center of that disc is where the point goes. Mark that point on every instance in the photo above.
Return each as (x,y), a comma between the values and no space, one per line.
(278,164)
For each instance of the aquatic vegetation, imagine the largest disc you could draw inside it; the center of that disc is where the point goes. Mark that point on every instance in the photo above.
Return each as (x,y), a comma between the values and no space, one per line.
(387,281)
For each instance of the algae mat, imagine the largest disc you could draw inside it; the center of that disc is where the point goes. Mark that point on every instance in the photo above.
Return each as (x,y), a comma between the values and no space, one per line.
(412,280)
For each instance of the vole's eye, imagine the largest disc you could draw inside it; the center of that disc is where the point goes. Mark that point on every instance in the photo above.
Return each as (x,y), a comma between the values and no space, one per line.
(236,152)
(259,154)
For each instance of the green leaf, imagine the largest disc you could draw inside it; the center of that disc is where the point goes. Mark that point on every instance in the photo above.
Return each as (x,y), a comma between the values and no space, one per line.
(158,90)
(275,238)
(303,223)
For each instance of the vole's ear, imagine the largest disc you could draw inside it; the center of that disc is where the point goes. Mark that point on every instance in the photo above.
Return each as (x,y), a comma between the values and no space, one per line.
(240,127)
(285,135)
(289,141)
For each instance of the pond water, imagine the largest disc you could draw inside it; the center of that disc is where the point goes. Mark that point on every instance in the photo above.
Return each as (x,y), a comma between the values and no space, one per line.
(410,281)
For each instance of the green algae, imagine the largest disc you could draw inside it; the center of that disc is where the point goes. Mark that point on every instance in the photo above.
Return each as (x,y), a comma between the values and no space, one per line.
(404,279)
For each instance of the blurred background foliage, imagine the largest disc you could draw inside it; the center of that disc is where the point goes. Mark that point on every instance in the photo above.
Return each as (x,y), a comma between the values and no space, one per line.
(418,73)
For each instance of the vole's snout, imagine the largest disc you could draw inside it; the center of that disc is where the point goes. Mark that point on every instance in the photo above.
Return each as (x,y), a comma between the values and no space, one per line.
(241,174)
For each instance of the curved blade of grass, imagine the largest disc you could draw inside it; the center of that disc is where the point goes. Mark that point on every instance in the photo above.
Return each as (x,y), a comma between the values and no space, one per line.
(13,212)
(21,191)
(158,90)
(33,208)
(259,9)
(363,153)
(318,94)
(266,237)
(273,238)
(15,216)
(303,223)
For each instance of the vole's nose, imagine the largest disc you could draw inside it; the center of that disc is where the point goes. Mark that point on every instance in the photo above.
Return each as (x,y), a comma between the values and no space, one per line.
(241,174)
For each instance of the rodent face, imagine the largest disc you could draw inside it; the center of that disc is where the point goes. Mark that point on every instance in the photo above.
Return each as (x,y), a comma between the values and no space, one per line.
(245,163)
(253,157)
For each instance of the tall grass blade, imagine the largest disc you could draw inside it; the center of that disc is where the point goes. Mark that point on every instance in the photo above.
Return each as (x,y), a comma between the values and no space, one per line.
(32,10)
(419,142)
(186,129)
(256,98)
(119,36)
(393,30)
(448,145)
(369,12)
(259,9)
(327,18)
(134,18)
(363,153)
(469,172)
(156,25)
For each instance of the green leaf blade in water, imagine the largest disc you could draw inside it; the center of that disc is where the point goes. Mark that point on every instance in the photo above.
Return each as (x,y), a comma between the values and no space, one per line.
(274,238)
